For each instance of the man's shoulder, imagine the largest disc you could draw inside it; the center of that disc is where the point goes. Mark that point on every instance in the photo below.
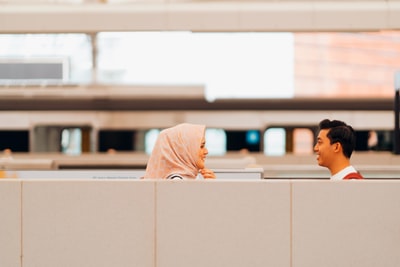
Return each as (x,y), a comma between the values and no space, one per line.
(353,175)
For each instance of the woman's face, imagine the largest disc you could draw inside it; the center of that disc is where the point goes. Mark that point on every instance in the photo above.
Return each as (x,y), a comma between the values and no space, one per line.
(202,154)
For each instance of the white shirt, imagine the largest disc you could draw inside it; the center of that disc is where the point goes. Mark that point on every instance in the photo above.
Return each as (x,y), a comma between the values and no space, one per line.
(340,175)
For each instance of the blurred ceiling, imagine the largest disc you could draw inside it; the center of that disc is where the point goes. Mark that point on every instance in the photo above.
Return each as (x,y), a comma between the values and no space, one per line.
(39,16)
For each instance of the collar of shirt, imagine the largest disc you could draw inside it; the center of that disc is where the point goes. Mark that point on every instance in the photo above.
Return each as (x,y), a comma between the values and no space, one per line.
(341,174)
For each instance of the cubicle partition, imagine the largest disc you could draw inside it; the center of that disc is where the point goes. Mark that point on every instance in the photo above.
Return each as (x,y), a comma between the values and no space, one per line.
(88,223)
(222,174)
(346,223)
(130,222)
(10,222)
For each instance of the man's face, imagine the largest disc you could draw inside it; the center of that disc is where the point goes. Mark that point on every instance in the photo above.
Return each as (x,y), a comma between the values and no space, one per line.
(324,149)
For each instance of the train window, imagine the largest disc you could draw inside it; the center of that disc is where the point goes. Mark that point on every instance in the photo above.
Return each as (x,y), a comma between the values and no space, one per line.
(17,141)
(118,140)
(374,140)
(150,140)
(303,141)
(362,138)
(281,140)
(215,138)
(380,140)
(253,137)
(216,142)
(275,142)
(65,139)
(71,141)
(238,140)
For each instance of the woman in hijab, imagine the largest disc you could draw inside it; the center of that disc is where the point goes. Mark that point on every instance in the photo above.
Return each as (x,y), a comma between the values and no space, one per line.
(179,153)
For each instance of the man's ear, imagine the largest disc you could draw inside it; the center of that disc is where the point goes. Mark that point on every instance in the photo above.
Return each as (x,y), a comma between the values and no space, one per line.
(337,147)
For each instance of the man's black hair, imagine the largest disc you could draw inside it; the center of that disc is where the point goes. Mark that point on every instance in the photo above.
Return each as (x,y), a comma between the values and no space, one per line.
(340,132)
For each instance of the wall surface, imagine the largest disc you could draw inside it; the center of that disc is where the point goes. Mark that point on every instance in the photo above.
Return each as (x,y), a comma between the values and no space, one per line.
(288,223)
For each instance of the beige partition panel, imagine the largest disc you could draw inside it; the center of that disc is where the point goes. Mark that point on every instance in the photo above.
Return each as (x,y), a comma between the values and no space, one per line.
(10,223)
(223,223)
(88,223)
(346,223)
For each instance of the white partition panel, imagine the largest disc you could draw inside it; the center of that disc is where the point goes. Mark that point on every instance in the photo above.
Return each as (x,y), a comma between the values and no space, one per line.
(88,223)
(223,223)
(346,223)
(10,223)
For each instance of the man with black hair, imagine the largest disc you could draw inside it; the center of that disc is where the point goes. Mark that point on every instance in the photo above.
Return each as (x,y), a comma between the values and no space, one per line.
(335,143)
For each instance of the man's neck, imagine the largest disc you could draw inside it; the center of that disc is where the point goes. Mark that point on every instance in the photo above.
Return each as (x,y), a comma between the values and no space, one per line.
(339,166)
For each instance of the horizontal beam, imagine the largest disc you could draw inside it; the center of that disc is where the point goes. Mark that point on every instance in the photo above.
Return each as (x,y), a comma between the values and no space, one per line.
(177,103)
(293,16)
(101,92)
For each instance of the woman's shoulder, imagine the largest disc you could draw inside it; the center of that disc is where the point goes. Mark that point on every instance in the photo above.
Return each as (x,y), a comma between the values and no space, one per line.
(175,176)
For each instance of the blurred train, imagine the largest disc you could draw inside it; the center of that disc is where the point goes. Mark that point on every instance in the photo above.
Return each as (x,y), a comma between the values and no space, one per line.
(75,121)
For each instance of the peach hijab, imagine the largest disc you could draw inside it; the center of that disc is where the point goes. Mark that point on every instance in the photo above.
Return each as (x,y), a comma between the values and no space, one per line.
(176,151)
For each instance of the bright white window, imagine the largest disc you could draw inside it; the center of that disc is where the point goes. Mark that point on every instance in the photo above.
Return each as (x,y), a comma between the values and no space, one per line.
(73,49)
(275,142)
(229,65)
(150,140)
(216,142)
(71,141)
